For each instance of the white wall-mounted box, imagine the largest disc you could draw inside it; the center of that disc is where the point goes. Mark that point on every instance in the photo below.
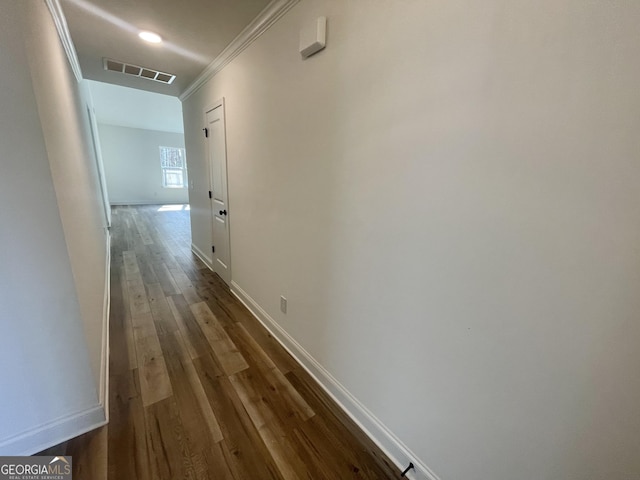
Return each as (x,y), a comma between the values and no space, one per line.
(313,37)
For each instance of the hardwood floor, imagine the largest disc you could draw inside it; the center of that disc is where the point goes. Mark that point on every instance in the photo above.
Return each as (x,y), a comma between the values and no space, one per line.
(198,388)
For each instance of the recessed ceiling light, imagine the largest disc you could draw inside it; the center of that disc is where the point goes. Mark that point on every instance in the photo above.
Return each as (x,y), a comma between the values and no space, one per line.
(150,37)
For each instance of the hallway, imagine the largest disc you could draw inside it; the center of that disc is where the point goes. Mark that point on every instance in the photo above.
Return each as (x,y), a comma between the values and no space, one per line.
(198,388)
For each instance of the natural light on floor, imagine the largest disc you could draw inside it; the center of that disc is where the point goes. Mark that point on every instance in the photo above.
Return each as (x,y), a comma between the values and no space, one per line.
(173,208)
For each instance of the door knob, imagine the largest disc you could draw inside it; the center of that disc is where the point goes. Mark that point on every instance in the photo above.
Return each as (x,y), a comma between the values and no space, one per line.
(223,212)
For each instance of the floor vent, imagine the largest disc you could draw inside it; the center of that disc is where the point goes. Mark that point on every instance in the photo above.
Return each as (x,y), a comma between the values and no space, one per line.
(137,71)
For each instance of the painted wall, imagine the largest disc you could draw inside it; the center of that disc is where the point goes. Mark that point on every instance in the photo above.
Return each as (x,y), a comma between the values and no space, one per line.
(75,174)
(448,197)
(53,238)
(132,165)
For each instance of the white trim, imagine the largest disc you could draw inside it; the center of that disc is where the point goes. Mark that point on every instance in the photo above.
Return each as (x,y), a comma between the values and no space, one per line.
(212,106)
(104,355)
(265,19)
(95,140)
(65,37)
(200,254)
(53,433)
(391,445)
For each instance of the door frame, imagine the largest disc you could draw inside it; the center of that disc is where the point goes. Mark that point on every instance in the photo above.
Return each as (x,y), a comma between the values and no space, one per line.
(97,149)
(220,103)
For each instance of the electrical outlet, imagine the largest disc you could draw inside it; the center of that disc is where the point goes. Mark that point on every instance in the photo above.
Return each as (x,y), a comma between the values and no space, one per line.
(283,304)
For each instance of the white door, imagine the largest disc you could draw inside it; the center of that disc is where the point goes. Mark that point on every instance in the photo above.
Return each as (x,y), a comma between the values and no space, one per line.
(219,199)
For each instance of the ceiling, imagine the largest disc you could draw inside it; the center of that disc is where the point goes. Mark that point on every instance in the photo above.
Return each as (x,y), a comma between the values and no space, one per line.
(129,107)
(194,33)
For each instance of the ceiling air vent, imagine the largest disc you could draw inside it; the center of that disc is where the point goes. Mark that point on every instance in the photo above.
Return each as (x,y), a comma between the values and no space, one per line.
(137,71)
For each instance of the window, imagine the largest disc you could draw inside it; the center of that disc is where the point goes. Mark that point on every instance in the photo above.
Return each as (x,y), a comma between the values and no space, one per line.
(174,167)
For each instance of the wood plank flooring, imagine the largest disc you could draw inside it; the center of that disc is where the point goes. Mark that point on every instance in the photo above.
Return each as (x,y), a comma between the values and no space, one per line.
(198,388)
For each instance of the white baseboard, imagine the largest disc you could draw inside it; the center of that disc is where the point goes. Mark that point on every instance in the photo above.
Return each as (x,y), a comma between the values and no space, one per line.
(103,394)
(397,452)
(208,261)
(54,433)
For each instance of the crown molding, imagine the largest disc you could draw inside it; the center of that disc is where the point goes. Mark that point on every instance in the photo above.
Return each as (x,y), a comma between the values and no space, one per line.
(65,37)
(265,19)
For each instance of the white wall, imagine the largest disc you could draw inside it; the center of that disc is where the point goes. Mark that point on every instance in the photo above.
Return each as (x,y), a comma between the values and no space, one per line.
(448,197)
(74,172)
(53,241)
(132,165)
